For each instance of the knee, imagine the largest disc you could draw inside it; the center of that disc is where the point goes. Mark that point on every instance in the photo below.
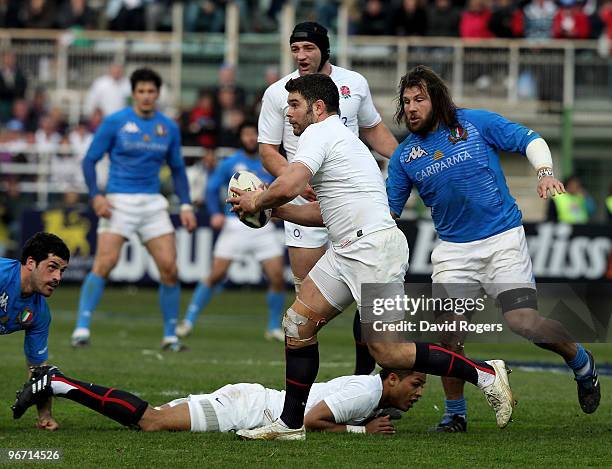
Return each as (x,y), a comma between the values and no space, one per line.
(380,353)
(104,263)
(168,272)
(277,283)
(523,322)
(299,329)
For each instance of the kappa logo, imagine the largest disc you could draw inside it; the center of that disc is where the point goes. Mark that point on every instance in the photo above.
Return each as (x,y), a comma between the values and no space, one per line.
(4,299)
(415,153)
(130,128)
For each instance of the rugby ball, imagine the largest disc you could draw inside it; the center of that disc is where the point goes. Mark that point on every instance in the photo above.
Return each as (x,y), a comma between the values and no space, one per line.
(248,181)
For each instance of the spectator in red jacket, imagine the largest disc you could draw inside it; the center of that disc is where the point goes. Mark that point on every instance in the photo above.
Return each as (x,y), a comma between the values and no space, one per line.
(571,22)
(475,20)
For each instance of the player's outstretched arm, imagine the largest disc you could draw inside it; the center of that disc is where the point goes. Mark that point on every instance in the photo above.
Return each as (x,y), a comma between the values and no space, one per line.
(321,419)
(380,139)
(304,215)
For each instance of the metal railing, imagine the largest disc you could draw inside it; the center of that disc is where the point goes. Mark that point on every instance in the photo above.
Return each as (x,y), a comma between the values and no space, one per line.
(57,171)
(560,73)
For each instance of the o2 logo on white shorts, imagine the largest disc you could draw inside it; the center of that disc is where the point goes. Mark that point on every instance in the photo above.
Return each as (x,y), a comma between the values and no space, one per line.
(297,233)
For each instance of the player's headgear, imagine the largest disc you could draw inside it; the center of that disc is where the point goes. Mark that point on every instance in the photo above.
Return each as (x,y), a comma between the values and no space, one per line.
(315,33)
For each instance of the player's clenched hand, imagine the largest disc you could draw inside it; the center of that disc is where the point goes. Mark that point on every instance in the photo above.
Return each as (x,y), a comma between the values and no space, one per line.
(380,425)
(549,184)
(47,423)
(101,206)
(217,221)
(246,201)
(188,220)
(309,194)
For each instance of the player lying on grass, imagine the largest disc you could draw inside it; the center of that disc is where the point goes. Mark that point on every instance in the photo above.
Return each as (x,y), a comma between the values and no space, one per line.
(344,404)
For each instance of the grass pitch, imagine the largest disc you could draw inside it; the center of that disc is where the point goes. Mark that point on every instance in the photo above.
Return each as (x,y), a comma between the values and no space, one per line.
(549,428)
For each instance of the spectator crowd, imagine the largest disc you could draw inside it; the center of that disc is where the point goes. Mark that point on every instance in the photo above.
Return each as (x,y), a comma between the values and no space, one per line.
(533,19)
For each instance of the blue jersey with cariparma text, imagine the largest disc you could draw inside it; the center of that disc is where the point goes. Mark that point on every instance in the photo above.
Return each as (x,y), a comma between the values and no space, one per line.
(138,147)
(220,178)
(458,174)
(30,314)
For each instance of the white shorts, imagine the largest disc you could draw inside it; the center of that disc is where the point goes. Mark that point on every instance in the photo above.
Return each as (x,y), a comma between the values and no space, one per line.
(380,257)
(236,241)
(233,407)
(298,236)
(143,214)
(499,263)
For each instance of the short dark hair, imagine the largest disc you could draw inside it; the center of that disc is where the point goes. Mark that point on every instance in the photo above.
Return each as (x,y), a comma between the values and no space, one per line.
(39,246)
(314,87)
(401,373)
(443,108)
(147,75)
(248,123)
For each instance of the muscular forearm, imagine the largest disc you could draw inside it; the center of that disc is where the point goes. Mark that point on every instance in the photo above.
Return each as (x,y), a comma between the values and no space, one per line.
(285,188)
(380,139)
(305,215)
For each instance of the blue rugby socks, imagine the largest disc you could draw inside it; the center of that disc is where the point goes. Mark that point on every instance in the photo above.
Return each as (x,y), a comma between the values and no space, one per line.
(169,302)
(276,305)
(199,300)
(454,407)
(580,364)
(91,293)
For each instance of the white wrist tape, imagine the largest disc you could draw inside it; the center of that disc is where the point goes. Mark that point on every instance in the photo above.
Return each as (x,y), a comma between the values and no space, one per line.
(355,429)
(538,154)
(188,207)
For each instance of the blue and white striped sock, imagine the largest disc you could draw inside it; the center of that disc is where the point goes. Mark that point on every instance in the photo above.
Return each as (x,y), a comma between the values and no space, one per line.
(580,364)
(454,407)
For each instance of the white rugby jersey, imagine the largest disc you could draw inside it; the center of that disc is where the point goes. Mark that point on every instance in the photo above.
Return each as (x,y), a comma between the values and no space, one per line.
(349,185)
(352,399)
(356,108)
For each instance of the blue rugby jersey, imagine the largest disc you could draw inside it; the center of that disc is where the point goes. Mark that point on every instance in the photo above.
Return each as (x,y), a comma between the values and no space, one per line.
(220,178)
(30,314)
(458,174)
(138,148)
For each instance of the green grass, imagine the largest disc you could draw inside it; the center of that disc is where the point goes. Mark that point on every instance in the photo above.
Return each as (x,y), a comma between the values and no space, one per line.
(228,346)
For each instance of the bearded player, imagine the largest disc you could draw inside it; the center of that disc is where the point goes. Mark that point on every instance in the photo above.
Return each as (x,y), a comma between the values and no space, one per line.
(451,157)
